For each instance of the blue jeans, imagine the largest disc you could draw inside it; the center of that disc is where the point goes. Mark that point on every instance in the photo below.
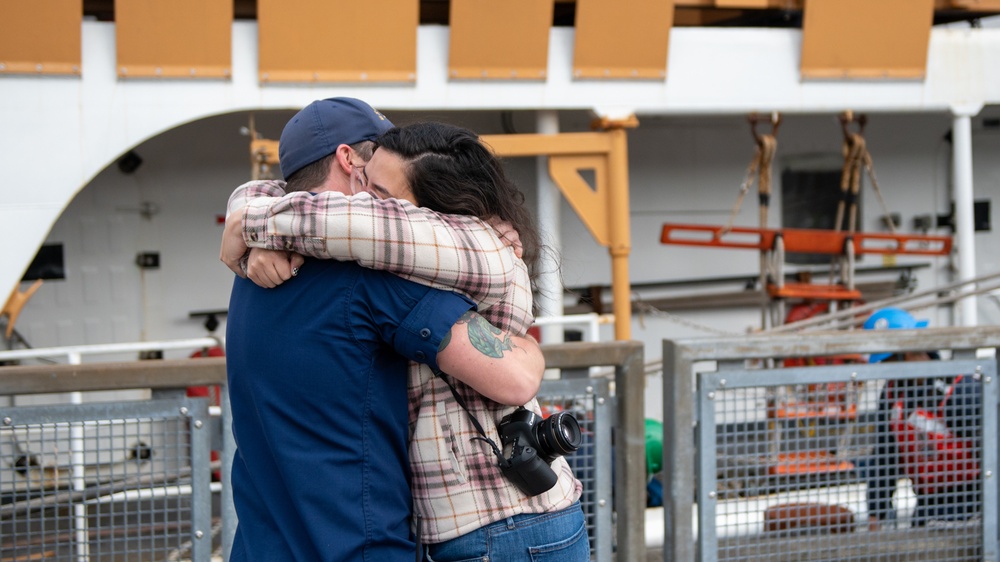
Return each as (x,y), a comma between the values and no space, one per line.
(532,537)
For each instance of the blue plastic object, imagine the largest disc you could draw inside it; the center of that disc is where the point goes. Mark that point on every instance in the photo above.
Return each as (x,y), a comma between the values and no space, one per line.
(891,319)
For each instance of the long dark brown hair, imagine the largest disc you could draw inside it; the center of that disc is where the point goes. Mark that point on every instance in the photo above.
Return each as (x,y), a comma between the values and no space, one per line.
(450,171)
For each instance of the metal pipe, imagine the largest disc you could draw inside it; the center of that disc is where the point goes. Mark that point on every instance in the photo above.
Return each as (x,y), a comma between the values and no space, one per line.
(550,288)
(228,508)
(961,139)
(620,237)
(678,454)
(78,473)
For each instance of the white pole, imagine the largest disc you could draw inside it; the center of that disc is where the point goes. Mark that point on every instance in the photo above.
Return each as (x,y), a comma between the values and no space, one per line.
(549,298)
(961,135)
(78,474)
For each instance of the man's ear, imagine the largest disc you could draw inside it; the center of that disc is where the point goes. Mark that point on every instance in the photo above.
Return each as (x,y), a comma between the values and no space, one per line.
(344,158)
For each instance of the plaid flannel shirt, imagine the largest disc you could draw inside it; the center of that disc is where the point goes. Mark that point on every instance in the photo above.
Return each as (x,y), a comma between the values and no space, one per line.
(457,486)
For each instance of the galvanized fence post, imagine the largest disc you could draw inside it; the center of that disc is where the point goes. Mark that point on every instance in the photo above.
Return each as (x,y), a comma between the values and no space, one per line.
(630,438)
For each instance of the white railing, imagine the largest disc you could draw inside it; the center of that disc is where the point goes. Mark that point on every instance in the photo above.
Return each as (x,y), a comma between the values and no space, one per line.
(591,321)
(74,353)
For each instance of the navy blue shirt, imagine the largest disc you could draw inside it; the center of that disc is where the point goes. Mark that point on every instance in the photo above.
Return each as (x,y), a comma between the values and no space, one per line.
(317,379)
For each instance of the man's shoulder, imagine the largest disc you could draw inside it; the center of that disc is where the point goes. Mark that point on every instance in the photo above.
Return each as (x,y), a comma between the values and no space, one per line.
(378,280)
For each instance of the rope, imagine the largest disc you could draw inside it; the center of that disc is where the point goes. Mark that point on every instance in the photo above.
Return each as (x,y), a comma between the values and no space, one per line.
(644,308)
(856,158)
(870,167)
(766,144)
(744,188)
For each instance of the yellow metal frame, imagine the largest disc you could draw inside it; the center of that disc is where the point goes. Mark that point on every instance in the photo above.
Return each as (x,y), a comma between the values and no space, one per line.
(15,302)
(603,208)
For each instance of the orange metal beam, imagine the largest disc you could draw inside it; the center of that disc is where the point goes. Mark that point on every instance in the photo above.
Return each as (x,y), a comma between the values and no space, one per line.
(552,145)
(15,302)
(802,240)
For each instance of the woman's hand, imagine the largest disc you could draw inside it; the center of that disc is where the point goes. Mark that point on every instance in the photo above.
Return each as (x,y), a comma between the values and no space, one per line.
(507,234)
(270,268)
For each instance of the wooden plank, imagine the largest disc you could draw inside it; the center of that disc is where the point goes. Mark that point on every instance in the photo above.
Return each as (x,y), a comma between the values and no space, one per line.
(170,373)
(40,37)
(499,40)
(337,41)
(866,38)
(622,39)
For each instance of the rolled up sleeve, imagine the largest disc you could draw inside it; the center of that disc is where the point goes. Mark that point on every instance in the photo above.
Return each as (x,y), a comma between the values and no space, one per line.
(420,334)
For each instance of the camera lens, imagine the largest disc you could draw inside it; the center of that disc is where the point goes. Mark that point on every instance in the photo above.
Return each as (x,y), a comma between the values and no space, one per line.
(557,435)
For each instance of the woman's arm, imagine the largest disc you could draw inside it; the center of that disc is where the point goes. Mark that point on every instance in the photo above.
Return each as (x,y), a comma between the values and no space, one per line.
(234,249)
(499,365)
(444,251)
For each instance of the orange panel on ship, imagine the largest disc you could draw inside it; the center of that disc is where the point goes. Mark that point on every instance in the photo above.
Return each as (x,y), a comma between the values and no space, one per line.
(622,38)
(483,45)
(866,38)
(176,39)
(23,50)
(337,41)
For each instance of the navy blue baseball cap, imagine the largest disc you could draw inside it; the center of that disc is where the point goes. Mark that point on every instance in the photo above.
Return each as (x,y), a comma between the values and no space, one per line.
(317,130)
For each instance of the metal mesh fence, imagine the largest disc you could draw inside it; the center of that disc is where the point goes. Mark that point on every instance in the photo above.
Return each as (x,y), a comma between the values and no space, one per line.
(105,482)
(850,462)
(588,400)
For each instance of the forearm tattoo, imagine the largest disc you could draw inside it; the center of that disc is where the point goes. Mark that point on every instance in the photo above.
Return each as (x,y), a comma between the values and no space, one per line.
(485,337)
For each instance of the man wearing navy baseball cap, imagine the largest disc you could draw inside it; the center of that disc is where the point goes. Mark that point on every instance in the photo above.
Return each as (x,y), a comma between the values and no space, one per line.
(317,367)
(331,131)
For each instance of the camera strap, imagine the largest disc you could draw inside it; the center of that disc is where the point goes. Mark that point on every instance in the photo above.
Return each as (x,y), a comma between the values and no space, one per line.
(472,418)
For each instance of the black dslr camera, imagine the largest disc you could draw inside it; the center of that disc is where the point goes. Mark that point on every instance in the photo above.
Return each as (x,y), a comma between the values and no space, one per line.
(531,443)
